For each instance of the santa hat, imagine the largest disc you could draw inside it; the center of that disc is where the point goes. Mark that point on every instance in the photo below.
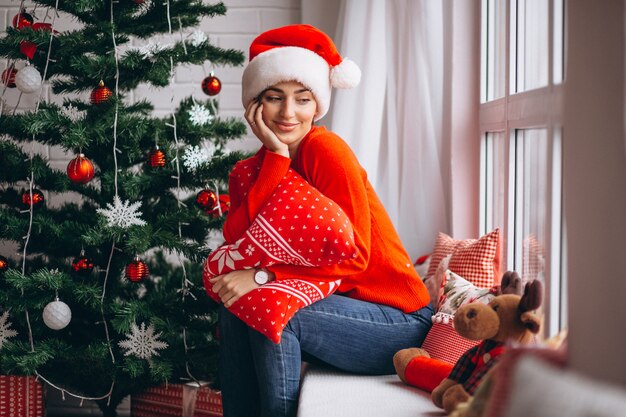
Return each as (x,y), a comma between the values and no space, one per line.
(298,53)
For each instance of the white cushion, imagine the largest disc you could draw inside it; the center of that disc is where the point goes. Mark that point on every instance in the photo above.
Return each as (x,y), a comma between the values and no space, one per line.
(326,392)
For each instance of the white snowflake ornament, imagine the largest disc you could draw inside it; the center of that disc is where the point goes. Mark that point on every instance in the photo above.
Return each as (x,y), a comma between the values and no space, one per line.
(195,156)
(197,37)
(199,115)
(72,112)
(142,342)
(150,49)
(123,214)
(5,329)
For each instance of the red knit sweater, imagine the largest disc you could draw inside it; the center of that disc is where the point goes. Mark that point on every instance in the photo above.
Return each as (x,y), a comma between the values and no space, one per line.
(382,272)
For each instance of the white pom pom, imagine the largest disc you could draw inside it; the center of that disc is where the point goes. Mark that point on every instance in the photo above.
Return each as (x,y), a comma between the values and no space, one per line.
(345,75)
(446,320)
(28,79)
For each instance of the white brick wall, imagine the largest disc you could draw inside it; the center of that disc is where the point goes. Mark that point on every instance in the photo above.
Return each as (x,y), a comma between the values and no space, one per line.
(244,20)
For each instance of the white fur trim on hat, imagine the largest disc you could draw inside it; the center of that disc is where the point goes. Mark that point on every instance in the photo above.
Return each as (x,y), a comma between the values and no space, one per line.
(288,63)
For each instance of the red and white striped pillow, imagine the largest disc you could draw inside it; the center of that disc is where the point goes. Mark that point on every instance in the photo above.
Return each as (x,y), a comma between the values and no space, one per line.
(476,260)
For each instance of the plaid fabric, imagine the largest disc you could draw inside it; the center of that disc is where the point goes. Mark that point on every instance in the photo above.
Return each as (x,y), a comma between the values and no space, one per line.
(476,260)
(475,363)
(533,258)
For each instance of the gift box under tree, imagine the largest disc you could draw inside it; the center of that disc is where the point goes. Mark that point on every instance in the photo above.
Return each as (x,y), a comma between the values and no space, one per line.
(21,396)
(177,400)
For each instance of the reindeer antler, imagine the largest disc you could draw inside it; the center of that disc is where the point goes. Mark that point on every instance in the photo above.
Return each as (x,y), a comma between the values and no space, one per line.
(511,283)
(531,300)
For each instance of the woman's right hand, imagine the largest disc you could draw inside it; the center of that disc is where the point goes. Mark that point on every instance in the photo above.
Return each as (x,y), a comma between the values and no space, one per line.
(254,117)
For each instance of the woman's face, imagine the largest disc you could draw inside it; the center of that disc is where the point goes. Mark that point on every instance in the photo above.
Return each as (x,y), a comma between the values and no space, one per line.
(288,110)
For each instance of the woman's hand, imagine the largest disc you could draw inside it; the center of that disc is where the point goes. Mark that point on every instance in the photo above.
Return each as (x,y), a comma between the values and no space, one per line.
(254,116)
(230,287)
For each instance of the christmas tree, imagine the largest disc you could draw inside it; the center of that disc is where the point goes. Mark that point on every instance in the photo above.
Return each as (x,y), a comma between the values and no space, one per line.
(104,297)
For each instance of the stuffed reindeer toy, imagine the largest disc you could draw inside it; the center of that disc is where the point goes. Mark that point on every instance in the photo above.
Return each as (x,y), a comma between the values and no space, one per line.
(507,320)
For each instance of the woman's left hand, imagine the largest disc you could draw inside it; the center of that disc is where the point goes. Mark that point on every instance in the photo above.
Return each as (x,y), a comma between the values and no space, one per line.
(230,287)
(254,116)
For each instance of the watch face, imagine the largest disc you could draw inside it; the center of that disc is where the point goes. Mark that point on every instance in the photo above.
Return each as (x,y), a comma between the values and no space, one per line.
(261,277)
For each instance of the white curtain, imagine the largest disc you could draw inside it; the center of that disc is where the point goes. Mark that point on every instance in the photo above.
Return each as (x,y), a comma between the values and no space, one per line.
(394,119)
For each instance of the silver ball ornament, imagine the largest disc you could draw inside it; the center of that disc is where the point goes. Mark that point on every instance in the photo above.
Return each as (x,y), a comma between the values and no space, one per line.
(28,79)
(57,315)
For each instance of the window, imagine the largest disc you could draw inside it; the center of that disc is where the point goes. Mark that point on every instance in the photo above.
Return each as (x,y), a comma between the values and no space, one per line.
(520,120)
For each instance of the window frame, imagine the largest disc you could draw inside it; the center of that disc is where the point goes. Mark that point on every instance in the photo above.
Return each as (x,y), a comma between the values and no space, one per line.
(540,108)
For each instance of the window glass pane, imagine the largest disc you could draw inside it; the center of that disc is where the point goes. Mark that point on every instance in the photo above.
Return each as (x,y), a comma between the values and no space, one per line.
(558,59)
(494,48)
(556,299)
(532,174)
(495,181)
(531,66)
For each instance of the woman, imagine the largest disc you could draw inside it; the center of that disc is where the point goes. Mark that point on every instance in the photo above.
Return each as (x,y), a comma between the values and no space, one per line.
(381,306)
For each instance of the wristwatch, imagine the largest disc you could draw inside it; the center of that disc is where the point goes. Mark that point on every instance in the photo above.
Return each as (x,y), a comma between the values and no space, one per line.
(261,276)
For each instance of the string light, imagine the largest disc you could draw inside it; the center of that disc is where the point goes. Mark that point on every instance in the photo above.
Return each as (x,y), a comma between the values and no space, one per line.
(217,194)
(82,398)
(185,281)
(11,63)
(31,180)
(117,87)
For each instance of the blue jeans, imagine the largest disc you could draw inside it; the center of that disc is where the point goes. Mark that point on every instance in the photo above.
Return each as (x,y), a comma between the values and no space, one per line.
(260,378)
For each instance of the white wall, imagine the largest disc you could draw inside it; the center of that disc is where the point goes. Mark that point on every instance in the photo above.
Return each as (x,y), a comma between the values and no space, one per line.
(594,173)
(322,14)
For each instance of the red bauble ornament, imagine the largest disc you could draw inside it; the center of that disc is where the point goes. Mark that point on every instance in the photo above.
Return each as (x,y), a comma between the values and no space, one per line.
(100,94)
(206,200)
(211,85)
(4,263)
(37,198)
(28,48)
(22,20)
(224,205)
(80,170)
(137,270)
(82,265)
(156,158)
(8,76)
